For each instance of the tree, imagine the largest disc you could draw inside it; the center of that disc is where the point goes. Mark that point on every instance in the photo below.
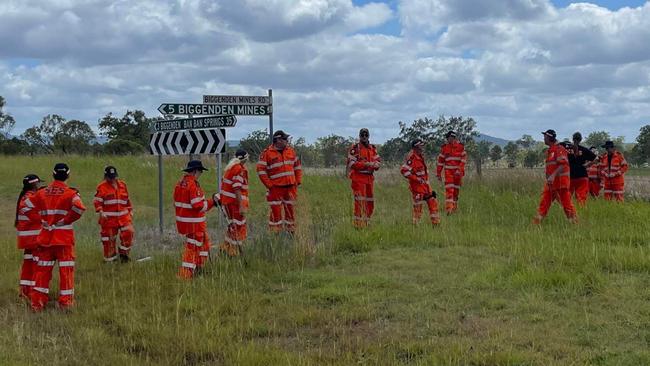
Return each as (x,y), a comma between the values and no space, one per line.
(432,132)
(597,139)
(526,142)
(532,158)
(642,148)
(510,151)
(394,150)
(7,122)
(333,149)
(478,152)
(73,137)
(133,126)
(121,147)
(495,153)
(255,142)
(309,155)
(36,142)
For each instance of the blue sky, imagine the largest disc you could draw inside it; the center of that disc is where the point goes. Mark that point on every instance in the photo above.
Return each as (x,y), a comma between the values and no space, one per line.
(515,66)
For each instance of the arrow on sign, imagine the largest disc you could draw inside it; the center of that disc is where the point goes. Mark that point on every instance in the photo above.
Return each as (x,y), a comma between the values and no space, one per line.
(188,142)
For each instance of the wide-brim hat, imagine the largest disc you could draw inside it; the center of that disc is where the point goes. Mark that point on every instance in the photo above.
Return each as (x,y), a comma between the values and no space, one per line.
(608,144)
(194,165)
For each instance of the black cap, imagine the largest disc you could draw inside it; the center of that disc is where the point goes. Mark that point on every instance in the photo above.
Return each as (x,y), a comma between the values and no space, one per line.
(577,136)
(279,134)
(416,142)
(364,131)
(61,168)
(550,133)
(241,154)
(608,144)
(194,165)
(110,172)
(31,179)
(451,134)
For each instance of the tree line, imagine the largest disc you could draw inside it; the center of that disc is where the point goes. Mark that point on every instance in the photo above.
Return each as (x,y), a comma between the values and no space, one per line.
(129,134)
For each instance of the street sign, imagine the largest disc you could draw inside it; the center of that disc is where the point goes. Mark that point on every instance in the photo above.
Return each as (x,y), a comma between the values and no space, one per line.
(212,141)
(237,99)
(215,109)
(194,123)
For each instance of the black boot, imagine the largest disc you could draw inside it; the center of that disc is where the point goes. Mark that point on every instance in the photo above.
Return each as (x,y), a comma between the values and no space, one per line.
(124,258)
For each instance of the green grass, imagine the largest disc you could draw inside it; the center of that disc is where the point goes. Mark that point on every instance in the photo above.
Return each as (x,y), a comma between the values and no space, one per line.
(484,288)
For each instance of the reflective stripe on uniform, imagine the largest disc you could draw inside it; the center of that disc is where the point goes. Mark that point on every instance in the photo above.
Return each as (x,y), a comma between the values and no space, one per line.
(188,265)
(28,256)
(204,254)
(29,232)
(124,248)
(27,283)
(66,264)
(53,212)
(113,202)
(197,199)
(42,290)
(66,292)
(182,205)
(275,203)
(190,219)
(46,263)
(279,175)
(22,218)
(110,259)
(194,242)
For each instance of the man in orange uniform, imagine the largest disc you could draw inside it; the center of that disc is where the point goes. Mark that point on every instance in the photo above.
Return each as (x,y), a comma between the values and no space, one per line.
(28,226)
(593,173)
(613,166)
(59,206)
(557,180)
(234,200)
(415,170)
(190,205)
(363,161)
(115,215)
(452,159)
(280,171)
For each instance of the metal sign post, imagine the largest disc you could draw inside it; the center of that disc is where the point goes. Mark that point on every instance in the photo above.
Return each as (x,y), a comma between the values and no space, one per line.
(160,194)
(271,115)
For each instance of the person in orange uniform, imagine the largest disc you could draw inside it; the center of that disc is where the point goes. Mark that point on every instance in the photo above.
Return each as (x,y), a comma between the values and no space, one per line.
(415,170)
(190,205)
(362,163)
(579,158)
(452,159)
(593,173)
(613,167)
(234,201)
(28,226)
(280,171)
(59,207)
(115,211)
(557,180)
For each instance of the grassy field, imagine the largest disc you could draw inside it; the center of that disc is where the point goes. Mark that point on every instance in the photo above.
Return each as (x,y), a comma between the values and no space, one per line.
(484,288)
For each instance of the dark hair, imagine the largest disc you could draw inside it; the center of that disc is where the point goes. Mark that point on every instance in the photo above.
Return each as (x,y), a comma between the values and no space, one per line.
(26,187)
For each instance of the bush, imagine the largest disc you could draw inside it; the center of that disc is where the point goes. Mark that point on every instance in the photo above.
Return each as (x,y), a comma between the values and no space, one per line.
(122,147)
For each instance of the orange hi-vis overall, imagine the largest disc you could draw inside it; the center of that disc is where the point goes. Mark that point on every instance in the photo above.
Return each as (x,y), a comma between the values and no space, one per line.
(595,183)
(452,159)
(234,181)
(59,207)
(556,158)
(281,174)
(28,226)
(190,206)
(612,171)
(114,206)
(363,180)
(415,170)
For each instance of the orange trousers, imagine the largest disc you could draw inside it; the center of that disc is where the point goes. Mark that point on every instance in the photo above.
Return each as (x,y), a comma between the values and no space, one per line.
(453,183)
(109,241)
(563,196)
(236,231)
(614,191)
(594,187)
(364,203)
(282,199)
(47,257)
(196,254)
(419,201)
(27,273)
(580,189)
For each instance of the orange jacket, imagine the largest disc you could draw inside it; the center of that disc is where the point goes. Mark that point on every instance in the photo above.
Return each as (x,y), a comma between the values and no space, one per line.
(190,205)
(114,202)
(593,171)
(28,225)
(59,206)
(235,178)
(557,157)
(358,156)
(279,168)
(415,170)
(452,158)
(612,171)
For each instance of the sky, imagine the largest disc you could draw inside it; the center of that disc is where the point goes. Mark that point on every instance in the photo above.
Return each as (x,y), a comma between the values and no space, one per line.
(515,66)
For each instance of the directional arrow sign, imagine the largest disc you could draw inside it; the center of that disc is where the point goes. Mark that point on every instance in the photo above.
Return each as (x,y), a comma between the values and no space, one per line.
(194,123)
(237,99)
(210,141)
(214,109)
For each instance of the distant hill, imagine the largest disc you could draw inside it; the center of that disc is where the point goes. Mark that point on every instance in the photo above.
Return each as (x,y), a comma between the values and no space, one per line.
(493,140)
